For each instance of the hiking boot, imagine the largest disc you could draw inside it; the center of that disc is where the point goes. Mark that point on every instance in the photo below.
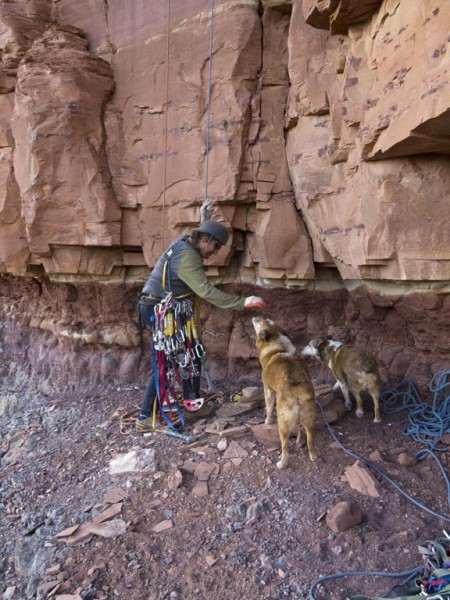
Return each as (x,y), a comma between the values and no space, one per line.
(145,425)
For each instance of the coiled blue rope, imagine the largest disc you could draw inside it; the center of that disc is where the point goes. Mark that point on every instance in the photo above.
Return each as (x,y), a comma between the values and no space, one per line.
(423,422)
(427,423)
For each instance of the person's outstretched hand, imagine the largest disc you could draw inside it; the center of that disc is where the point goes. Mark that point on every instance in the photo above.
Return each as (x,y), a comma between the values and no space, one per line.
(255,302)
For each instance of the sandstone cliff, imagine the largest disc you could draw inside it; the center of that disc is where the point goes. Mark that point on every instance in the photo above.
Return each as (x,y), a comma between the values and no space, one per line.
(318,130)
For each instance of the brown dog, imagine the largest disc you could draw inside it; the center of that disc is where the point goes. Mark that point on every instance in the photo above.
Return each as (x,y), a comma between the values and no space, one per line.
(355,371)
(286,380)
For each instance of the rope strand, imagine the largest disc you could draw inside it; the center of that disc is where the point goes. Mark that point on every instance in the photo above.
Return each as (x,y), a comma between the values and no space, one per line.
(166,119)
(206,206)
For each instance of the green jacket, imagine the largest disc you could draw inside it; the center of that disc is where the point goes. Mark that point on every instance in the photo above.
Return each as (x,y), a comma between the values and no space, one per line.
(180,270)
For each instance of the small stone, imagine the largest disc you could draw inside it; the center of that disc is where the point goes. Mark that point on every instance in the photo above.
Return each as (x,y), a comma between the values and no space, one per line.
(163,526)
(53,570)
(406,460)
(343,516)
(222,445)
(211,560)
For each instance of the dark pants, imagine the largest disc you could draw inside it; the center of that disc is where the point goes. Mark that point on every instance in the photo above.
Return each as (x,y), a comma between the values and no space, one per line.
(191,389)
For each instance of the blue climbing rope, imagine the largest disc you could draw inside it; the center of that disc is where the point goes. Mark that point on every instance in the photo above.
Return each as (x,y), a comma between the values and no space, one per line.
(408,574)
(427,425)
(380,473)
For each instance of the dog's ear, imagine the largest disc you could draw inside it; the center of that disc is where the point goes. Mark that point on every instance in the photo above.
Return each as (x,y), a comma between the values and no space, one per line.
(264,335)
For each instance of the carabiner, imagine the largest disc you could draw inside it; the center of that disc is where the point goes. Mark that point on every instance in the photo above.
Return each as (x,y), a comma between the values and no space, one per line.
(199,350)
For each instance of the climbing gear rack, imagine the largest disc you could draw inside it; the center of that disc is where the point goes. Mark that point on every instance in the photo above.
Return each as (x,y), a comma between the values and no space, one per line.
(176,348)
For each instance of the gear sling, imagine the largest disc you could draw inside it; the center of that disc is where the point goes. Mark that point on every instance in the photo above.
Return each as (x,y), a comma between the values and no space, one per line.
(177,353)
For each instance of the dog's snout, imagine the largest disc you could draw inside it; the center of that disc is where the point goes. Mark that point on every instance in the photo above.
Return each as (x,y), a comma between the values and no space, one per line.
(308,350)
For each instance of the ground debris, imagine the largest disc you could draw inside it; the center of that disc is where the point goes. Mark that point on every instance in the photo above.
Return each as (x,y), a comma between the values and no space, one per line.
(213,518)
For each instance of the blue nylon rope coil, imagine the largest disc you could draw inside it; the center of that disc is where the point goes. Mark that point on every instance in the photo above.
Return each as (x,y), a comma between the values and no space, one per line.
(427,425)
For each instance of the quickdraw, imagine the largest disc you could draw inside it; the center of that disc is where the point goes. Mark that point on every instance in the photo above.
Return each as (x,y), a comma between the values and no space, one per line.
(176,345)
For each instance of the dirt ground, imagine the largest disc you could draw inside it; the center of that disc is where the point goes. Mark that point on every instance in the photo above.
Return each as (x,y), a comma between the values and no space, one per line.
(200,520)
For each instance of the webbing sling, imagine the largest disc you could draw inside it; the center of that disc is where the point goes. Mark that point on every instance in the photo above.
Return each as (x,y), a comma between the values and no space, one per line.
(166,404)
(163,281)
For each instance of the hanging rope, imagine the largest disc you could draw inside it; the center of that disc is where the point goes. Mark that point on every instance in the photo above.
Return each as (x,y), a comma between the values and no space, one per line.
(163,220)
(206,207)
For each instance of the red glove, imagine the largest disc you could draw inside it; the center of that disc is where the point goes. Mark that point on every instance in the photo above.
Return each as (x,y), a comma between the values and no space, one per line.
(255,302)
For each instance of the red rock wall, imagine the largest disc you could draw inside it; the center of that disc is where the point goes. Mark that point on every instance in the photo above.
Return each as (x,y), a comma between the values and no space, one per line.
(76,336)
(318,130)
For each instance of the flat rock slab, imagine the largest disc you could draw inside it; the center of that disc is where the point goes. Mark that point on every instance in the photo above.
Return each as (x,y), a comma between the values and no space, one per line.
(238,409)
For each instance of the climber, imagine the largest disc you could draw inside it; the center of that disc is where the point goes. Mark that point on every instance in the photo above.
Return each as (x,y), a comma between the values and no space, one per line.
(180,271)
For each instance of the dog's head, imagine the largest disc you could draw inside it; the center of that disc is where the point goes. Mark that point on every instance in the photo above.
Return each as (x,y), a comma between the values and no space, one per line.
(321,348)
(265,329)
(270,335)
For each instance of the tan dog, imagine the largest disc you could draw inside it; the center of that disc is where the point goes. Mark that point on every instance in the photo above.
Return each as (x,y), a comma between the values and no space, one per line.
(355,371)
(286,380)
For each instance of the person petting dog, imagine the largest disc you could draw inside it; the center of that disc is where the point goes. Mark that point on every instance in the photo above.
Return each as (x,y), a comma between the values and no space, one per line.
(180,271)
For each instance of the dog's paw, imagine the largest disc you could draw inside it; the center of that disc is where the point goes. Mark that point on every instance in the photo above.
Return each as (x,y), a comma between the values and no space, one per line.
(313,456)
(282,463)
(359,413)
(268,422)
(377,420)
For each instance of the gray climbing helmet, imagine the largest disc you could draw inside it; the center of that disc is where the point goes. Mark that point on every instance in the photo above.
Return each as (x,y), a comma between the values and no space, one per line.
(216,230)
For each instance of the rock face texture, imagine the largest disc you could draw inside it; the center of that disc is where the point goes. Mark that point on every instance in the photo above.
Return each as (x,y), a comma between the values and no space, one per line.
(370,177)
(318,131)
